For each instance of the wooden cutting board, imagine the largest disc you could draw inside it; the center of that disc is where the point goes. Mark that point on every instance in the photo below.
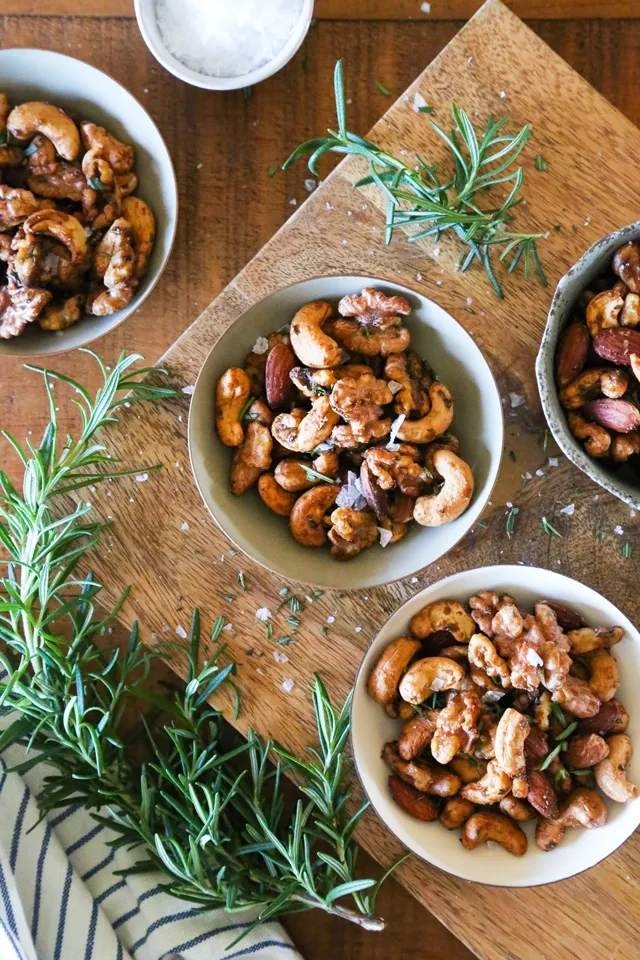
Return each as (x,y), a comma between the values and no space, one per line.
(164,542)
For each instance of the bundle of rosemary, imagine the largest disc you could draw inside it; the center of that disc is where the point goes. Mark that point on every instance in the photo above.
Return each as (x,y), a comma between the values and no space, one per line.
(417,197)
(213,817)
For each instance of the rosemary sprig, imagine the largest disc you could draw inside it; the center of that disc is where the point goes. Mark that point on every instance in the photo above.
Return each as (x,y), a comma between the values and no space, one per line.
(312,474)
(211,816)
(417,196)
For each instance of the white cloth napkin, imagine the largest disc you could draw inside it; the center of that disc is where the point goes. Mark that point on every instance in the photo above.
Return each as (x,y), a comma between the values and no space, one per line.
(60,900)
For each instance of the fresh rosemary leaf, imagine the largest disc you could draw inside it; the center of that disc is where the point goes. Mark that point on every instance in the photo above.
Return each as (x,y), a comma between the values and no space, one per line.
(567,731)
(425,109)
(312,474)
(626,551)
(559,714)
(540,163)
(549,529)
(383,89)
(550,757)
(272,170)
(511,520)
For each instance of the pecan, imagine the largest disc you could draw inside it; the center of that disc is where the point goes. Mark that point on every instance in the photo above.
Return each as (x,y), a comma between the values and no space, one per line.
(617,344)
(620,415)
(278,386)
(572,353)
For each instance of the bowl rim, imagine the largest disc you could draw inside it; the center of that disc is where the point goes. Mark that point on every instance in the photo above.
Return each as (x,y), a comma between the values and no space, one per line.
(144,9)
(191,442)
(501,571)
(545,365)
(173,227)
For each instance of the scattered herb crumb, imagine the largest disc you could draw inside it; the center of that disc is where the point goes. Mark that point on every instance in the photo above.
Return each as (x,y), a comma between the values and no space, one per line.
(483,523)
(626,551)
(284,641)
(229,597)
(512,456)
(541,163)
(293,622)
(284,591)
(557,228)
(381,87)
(425,109)
(545,440)
(325,630)
(511,520)
(248,652)
(268,630)
(242,581)
(272,170)
(549,529)
(574,228)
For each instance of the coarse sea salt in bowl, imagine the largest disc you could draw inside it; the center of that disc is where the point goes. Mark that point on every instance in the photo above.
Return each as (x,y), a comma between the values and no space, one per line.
(265,536)
(223,44)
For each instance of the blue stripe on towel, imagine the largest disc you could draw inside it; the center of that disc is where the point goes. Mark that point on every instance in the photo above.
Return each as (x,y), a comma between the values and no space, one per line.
(6,900)
(17,829)
(38,889)
(63,913)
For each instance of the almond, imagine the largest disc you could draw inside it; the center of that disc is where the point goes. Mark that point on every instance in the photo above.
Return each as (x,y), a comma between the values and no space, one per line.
(617,344)
(280,363)
(572,352)
(619,415)
(417,805)
(567,618)
(541,794)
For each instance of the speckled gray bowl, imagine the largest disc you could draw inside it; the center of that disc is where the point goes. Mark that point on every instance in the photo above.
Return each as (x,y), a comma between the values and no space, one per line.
(591,265)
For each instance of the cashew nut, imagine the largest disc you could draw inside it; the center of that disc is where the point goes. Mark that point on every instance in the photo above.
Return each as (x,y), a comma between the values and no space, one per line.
(143,224)
(417,733)
(424,776)
(549,833)
(251,459)
(119,156)
(108,300)
(312,346)
(603,311)
(625,446)
(513,730)
(626,265)
(277,499)
(307,517)
(630,314)
(483,654)
(469,769)
(582,808)
(232,393)
(63,227)
(598,439)
(455,495)
(113,258)
(455,812)
(428,675)
(481,827)
(585,639)
(436,422)
(301,431)
(604,677)
(517,809)
(59,316)
(447,615)
(577,696)
(39,117)
(610,773)
(589,384)
(491,788)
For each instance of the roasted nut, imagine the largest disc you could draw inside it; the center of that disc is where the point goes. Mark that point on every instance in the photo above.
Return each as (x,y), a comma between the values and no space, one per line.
(542,711)
(411,396)
(120,156)
(108,300)
(369,341)
(301,431)
(612,717)
(583,808)
(572,353)
(59,316)
(469,769)
(312,346)
(540,793)
(591,383)
(577,696)
(586,639)
(251,459)
(277,499)
(616,345)
(585,750)
(491,788)
(62,227)
(455,812)
(517,809)
(536,746)
(428,675)
(598,440)
(454,497)
(360,400)
(624,447)
(626,265)
(603,311)
(449,615)
(513,730)
(114,257)
(20,308)
(549,833)
(373,307)
(604,677)
(417,805)
(620,415)
(424,776)
(280,362)
(610,773)
(39,117)
(232,393)
(417,734)
(143,224)
(630,313)
(307,516)
(481,827)
(397,469)
(15,206)
(294,475)
(352,531)
(567,618)
(373,494)
(483,654)
(436,422)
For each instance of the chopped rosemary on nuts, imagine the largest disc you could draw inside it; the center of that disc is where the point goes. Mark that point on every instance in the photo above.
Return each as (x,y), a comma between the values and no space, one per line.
(312,474)
(417,197)
(559,714)
(567,731)
(550,757)
(246,408)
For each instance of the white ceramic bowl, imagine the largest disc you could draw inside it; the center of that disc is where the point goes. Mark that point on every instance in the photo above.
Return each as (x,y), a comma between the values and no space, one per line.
(371,729)
(146,17)
(264,536)
(87,93)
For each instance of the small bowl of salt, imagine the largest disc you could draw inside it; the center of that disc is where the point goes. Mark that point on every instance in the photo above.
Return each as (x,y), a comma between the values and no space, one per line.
(223,44)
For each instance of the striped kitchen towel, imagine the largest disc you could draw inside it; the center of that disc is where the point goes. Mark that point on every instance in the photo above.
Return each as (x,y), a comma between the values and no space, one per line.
(59,898)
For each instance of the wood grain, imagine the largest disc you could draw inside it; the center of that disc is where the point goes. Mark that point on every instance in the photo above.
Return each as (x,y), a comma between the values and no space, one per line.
(220,231)
(360,9)
(176,568)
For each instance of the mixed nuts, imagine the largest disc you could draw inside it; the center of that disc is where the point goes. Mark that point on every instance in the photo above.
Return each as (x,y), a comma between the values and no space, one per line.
(344,429)
(598,363)
(508,716)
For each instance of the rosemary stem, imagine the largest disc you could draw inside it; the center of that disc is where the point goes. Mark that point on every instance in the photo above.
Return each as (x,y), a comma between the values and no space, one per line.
(367,922)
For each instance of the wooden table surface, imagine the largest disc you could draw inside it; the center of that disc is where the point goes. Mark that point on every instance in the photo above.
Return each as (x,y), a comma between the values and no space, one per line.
(230,207)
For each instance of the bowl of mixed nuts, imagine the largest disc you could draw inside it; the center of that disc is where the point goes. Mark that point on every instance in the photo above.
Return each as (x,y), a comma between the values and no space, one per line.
(88,203)
(493,724)
(588,365)
(345,419)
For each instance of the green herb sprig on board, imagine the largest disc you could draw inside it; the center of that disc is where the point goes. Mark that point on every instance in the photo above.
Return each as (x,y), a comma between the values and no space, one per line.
(418,198)
(208,812)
